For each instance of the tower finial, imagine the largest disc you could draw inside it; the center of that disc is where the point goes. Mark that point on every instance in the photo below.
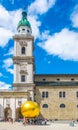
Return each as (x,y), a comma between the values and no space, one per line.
(24,21)
(24,13)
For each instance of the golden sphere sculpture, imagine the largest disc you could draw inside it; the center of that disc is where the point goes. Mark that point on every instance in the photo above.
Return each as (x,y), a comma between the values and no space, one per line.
(30,109)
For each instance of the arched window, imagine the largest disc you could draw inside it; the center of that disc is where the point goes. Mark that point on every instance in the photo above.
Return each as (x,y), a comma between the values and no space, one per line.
(62,106)
(23,29)
(28,31)
(23,78)
(72,79)
(58,79)
(23,50)
(45,106)
(7,112)
(44,79)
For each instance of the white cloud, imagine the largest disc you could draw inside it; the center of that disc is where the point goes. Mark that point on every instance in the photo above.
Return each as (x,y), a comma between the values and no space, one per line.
(10,70)
(11,20)
(10,52)
(8,64)
(15,16)
(63,44)
(5,36)
(40,6)
(45,35)
(3,85)
(4,20)
(35,26)
(74,17)
(8,24)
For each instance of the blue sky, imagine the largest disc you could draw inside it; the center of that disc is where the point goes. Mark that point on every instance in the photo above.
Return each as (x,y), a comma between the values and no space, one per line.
(55,28)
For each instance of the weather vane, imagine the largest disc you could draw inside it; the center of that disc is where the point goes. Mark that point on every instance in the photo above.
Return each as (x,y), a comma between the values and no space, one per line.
(25,4)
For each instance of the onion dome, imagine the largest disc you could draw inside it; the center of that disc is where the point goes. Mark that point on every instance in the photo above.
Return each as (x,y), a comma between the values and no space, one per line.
(24,21)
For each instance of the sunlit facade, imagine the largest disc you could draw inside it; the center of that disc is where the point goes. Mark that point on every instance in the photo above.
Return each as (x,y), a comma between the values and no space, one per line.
(57,95)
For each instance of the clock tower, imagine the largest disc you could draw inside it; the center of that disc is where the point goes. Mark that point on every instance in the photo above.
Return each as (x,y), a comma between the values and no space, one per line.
(23,57)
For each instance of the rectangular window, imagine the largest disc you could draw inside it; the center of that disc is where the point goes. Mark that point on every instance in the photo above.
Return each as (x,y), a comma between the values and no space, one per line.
(22,78)
(62,94)
(44,94)
(23,50)
(77,94)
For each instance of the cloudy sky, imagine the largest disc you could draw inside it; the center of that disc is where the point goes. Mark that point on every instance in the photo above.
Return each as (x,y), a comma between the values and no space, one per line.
(55,28)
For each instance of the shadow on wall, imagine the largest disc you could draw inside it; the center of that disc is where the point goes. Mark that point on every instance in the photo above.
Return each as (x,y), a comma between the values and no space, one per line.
(38,99)
(7,112)
(18,113)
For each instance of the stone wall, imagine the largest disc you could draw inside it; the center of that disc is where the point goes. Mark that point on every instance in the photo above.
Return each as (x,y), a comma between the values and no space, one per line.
(54,111)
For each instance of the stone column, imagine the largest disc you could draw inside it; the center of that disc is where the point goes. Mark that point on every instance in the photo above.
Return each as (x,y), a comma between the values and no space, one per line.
(1,107)
(12,105)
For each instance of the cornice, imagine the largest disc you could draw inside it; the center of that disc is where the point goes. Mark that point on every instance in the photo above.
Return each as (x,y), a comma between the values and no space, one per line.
(22,37)
(23,57)
(23,84)
(11,94)
(55,75)
(18,59)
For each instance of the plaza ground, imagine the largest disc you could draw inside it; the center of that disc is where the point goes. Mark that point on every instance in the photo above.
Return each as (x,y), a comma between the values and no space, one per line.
(51,126)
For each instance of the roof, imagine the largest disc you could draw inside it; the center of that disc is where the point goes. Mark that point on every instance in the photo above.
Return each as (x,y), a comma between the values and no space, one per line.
(55,75)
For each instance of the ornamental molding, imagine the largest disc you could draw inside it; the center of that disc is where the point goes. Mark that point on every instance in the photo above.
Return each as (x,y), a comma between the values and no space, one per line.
(22,42)
(23,72)
(23,58)
(23,85)
(23,66)
(16,62)
(22,37)
(19,59)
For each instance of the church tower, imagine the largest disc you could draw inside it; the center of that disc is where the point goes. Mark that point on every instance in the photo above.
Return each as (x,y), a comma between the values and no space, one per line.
(23,57)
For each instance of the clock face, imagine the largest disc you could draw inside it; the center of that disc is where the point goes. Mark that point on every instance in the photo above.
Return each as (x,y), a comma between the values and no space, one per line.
(23,43)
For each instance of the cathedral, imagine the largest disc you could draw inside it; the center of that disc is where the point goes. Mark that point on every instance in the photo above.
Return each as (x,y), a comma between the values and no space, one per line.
(57,94)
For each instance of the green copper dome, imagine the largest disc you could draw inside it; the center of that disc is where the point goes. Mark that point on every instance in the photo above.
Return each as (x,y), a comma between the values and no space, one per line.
(24,21)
